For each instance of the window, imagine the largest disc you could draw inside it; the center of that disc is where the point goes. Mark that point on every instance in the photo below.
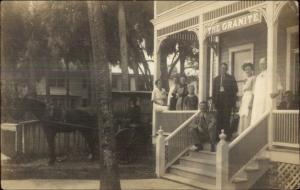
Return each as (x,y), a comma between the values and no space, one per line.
(57,82)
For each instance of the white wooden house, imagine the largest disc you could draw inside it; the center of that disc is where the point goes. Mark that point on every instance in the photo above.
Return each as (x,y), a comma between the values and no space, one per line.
(231,32)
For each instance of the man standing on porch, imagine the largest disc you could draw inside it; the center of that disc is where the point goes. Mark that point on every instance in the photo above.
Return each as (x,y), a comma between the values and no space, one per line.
(262,100)
(224,98)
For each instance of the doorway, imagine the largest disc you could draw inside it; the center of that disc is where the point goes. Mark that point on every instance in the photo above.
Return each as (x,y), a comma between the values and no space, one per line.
(239,55)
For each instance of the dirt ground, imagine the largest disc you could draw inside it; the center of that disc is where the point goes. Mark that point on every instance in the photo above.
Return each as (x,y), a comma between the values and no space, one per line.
(72,168)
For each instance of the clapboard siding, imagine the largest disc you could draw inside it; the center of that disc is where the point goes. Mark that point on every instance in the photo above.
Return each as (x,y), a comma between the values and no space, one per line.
(255,34)
(258,36)
(281,52)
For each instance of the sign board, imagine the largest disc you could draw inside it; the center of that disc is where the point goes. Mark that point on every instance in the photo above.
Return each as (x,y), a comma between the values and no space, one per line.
(234,23)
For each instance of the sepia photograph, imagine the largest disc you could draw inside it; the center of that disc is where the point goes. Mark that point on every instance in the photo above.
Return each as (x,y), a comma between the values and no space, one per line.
(150,95)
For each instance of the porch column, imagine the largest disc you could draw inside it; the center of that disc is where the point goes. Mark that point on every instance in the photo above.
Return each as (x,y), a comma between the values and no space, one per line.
(214,62)
(155,77)
(202,60)
(272,25)
(157,73)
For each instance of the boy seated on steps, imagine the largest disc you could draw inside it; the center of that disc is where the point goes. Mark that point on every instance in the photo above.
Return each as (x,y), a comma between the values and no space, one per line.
(204,128)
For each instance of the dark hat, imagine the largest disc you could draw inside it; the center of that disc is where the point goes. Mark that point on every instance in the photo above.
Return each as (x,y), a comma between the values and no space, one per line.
(247,65)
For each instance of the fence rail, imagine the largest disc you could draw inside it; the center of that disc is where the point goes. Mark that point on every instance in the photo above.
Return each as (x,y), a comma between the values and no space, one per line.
(29,138)
(286,128)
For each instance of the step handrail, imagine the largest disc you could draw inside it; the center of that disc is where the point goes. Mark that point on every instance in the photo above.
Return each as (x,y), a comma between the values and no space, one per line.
(248,130)
(258,128)
(228,164)
(163,145)
(183,125)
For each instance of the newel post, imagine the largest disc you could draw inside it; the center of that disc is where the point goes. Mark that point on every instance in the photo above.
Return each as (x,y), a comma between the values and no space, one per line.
(160,154)
(222,162)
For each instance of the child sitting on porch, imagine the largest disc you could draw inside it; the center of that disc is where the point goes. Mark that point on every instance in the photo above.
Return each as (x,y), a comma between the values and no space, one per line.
(204,129)
(190,102)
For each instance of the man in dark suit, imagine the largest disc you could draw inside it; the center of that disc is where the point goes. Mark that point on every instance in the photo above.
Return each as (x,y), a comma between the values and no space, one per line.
(224,98)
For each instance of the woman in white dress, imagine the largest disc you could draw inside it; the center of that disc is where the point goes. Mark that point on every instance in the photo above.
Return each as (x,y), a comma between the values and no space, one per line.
(159,97)
(247,99)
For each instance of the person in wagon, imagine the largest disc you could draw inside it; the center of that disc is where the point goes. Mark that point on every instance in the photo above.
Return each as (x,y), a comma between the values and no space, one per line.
(204,129)
(247,99)
(133,113)
(190,102)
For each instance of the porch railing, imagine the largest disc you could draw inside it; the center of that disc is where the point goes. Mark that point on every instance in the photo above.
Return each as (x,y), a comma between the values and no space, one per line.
(170,120)
(169,149)
(248,144)
(286,128)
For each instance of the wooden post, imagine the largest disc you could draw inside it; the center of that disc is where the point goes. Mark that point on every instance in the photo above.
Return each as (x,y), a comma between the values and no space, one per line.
(23,139)
(272,24)
(160,153)
(202,60)
(222,163)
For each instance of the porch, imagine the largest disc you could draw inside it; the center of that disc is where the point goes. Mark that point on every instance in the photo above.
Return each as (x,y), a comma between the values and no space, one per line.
(225,35)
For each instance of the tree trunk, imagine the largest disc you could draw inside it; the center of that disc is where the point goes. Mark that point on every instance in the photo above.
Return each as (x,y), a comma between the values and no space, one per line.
(182,60)
(31,57)
(47,81)
(123,45)
(109,176)
(173,64)
(92,85)
(164,72)
(67,102)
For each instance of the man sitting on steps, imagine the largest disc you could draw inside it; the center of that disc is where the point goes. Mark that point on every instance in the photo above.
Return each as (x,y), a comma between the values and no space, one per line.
(204,128)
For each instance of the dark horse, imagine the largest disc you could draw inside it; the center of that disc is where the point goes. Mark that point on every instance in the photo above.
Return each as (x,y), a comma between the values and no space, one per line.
(54,120)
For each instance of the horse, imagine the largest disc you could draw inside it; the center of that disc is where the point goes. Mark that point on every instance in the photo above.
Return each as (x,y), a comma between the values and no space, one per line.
(54,121)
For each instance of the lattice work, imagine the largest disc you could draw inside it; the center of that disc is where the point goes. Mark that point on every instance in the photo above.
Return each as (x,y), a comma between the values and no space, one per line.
(288,176)
(285,176)
(280,176)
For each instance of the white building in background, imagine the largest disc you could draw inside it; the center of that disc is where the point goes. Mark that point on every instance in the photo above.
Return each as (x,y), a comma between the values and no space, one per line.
(79,88)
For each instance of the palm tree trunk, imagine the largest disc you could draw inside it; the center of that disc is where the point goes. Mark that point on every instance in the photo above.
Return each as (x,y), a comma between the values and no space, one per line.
(109,176)
(164,71)
(47,81)
(123,45)
(67,101)
(92,84)
(182,60)
(31,57)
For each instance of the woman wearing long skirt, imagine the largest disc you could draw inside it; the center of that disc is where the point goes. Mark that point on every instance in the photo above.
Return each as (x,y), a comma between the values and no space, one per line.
(247,99)
(181,92)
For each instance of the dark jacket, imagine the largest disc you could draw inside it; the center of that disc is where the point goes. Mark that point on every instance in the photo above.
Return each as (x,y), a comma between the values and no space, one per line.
(228,97)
